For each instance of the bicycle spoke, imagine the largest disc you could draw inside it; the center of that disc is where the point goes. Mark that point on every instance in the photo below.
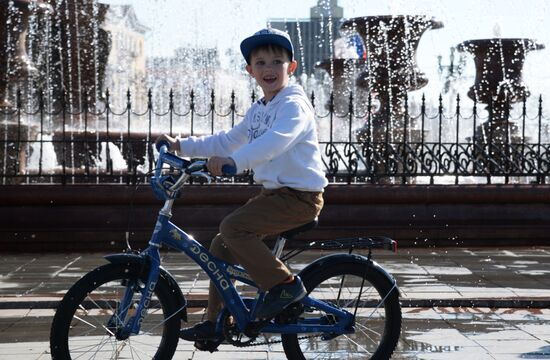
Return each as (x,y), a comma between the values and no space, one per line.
(85,322)
(113,310)
(383,300)
(93,316)
(99,347)
(87,312)
(354,293)
(133,348)
(367,333)
(356,343)
(168,318)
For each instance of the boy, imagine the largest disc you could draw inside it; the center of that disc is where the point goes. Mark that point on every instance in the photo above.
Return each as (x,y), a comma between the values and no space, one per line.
(278,140)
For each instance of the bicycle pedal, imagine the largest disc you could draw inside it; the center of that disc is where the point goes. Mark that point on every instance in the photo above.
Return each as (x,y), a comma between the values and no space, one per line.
(208,345)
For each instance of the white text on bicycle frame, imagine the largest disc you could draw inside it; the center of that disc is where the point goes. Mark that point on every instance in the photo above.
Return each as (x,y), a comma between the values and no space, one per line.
(211,266)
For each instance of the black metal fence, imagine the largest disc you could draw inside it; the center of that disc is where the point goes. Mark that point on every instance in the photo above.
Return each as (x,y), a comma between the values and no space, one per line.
(420,143)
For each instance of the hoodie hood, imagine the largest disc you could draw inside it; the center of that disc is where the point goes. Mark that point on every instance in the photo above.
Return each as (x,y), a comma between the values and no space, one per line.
(293,92)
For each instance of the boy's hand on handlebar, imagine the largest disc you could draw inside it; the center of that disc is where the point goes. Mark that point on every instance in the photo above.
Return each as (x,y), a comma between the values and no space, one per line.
(215,164)
(174,144)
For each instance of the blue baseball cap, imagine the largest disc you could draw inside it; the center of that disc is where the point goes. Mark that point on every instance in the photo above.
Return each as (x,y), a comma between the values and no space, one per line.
(264,37)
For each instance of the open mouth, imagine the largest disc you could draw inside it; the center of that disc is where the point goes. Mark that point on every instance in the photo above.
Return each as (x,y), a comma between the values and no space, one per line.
(270,79)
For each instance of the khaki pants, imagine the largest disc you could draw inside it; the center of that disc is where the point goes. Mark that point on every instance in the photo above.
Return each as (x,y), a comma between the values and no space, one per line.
(242,232)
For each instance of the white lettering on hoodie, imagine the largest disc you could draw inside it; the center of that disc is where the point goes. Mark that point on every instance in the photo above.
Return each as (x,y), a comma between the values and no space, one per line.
(277,140)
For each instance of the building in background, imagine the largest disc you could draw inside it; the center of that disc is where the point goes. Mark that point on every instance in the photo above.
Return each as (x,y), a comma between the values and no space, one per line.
(126,68)
(313,38)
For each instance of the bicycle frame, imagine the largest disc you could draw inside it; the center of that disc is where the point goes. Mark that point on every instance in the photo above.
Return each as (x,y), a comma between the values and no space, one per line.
(222,275)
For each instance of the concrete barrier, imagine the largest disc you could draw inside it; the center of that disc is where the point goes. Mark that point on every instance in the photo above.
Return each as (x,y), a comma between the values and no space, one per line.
(38,218)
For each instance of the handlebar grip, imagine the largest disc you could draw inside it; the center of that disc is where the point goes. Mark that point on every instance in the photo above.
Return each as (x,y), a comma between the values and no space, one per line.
(229,170)
(162,143)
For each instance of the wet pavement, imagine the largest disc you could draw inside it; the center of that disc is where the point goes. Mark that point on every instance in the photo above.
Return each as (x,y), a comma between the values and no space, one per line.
(482,303)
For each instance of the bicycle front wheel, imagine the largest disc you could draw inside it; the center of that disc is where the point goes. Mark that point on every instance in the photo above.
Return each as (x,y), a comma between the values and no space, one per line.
(361,290)
(84,326)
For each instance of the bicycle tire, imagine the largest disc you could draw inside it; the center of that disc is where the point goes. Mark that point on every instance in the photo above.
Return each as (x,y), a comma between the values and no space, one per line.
(79,326)
(376,334)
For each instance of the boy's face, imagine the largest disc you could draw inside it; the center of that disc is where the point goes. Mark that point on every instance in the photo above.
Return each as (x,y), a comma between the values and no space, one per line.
(271,70)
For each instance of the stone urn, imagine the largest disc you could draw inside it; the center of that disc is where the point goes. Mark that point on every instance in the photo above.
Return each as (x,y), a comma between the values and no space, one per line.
(498,83)
(15,64)
(391,43)
(79,48)
(391,70)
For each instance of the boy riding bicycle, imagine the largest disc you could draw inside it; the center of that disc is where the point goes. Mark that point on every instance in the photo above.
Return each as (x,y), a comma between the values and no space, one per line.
(277,139)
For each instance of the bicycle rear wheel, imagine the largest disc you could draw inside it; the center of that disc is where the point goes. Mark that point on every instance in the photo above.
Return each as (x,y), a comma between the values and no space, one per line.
(81,328)
(360,289)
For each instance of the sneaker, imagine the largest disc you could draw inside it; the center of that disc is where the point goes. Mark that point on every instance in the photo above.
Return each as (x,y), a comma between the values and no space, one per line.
(280,297)
(202,331)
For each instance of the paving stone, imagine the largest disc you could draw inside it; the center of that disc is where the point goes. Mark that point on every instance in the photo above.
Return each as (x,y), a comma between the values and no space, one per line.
(31,285)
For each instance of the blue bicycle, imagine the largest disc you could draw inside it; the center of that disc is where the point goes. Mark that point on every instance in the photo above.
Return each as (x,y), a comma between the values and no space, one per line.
(132,307)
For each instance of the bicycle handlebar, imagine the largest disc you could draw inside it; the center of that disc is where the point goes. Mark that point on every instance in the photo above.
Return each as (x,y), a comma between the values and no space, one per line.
(162,143)
(170,185)
(166,157)
(162,149)
(181,164)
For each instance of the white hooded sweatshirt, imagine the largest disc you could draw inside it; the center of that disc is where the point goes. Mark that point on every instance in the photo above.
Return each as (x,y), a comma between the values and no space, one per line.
(277,140)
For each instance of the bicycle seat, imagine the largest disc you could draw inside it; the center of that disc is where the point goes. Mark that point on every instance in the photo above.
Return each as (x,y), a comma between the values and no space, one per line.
(289,234)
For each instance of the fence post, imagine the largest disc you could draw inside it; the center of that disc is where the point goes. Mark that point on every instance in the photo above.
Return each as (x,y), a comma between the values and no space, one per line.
(18,145)
(170,111)
(192,110)
(541,174)
(439,135)
(41,111)
(407,139)
(522,169)
(490,149)
(457,153)
(369,146)
(128,138)
(64,137)
(422,131)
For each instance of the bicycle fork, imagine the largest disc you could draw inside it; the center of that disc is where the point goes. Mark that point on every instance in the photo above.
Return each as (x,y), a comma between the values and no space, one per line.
(133,325)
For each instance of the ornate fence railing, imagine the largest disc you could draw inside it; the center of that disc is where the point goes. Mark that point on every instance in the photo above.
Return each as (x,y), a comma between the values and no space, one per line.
(424,143)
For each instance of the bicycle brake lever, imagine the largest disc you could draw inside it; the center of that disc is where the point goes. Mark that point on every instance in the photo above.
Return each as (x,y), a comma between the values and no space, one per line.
(196,167)
(202,174)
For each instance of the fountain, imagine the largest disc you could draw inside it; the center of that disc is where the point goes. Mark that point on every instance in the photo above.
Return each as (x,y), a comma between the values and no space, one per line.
(389,71)
(78,47)
(16,67)
(58,47)
(55,65)
(391,43)
(498,84)
(343,73)
(71,63)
